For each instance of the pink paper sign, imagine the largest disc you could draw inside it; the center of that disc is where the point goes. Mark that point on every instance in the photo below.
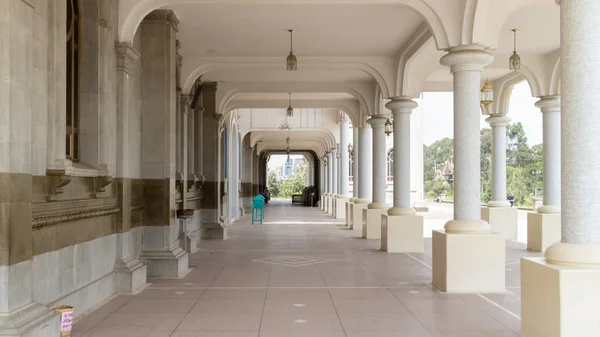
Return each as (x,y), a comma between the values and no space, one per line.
(66,321)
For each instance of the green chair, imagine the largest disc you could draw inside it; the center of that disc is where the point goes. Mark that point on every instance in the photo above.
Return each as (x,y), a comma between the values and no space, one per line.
(258,209)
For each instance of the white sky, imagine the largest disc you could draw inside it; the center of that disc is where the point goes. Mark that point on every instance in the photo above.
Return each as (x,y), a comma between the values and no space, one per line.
(438,118)
(279,159)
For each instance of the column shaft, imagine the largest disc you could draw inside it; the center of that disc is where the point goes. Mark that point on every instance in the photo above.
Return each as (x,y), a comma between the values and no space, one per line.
(329,173)
(401,107)
(379,161)
(344,157)
(355,170)
(498,124)
(466,63)
(334,172)
(365,164)
(580,208)
(550,107)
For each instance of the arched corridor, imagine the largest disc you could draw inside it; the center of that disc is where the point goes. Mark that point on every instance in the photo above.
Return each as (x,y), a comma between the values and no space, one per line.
(303,273)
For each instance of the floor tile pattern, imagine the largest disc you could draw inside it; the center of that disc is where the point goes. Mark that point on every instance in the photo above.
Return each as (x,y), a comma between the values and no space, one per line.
(305,274)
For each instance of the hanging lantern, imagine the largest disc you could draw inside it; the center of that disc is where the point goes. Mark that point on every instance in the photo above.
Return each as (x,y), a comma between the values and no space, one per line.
(292,61)
(515,59)
(290,110)
(389,128)
(487,94)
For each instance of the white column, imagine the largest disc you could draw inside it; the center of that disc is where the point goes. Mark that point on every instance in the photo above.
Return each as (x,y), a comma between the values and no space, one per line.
(365,165)
(580,231)
(344,156)
(466,64)
(498,124)
(550,107)
(377,122)
(401,108)
(355,170)
(329,173)
(334,172)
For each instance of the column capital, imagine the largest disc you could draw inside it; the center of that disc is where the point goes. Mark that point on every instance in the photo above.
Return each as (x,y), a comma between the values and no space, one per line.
(548,103)
(126,56)
(377,121)
(401,104)
(333,151)
(467,58)
(498,120)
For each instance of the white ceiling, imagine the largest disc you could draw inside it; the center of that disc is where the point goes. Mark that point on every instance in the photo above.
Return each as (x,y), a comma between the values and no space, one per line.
(302,75)
(295,96)
(538,30)
(320,29)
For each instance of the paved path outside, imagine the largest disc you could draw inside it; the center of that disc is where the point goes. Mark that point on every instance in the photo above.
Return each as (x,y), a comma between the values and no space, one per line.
(304,274)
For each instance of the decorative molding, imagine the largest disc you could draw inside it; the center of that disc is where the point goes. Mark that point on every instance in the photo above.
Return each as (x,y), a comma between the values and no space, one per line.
(163,16)
(126,56)
(100,184)
(50,214)
(56,181)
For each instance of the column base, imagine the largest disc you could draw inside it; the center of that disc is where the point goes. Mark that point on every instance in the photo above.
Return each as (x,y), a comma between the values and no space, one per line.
(34,320)
(130,275)
(372,223)
(349,206)
(468,263)
(402,234)
(330,205)
(213,231)
(543,230)
(502,220)
(558,301)
(340,209)
(322,202)
(357,216)
(172,263)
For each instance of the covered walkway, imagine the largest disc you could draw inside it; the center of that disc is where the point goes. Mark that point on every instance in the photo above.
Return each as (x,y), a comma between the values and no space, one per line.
(303,273)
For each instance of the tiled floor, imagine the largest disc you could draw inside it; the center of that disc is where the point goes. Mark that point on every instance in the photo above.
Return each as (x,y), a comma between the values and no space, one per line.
(304,274)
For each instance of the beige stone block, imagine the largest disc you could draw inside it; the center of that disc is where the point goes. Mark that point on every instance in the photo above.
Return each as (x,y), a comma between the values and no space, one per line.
(333,206)
(357,216)
(330,205)
(543,230)
(340,208)
(559,301)
(468,263)
(502,220)
(372,224)
(402,234)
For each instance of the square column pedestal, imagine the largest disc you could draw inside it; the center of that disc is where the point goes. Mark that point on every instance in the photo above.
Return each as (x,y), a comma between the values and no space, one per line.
(543,230)
(357,216)
(402,234)
(326,203)
(349,206)
(372,223)
(340,207)
(502,220)
(330,205)
(468,263)
(558,301)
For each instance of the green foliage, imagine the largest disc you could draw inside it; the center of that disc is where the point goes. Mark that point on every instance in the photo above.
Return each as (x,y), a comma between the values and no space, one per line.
(294,184)
(274,184)
(523,162)
(435,155)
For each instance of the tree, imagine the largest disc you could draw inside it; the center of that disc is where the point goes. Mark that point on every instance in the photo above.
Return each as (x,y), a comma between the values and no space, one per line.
(295,183)
(518,152)
(274,184)
(435,155)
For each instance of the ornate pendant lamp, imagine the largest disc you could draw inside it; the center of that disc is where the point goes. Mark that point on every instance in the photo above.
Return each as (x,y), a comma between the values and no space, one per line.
(486,98)
(515,59)
(292,61)
(389,128)
(290,110)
